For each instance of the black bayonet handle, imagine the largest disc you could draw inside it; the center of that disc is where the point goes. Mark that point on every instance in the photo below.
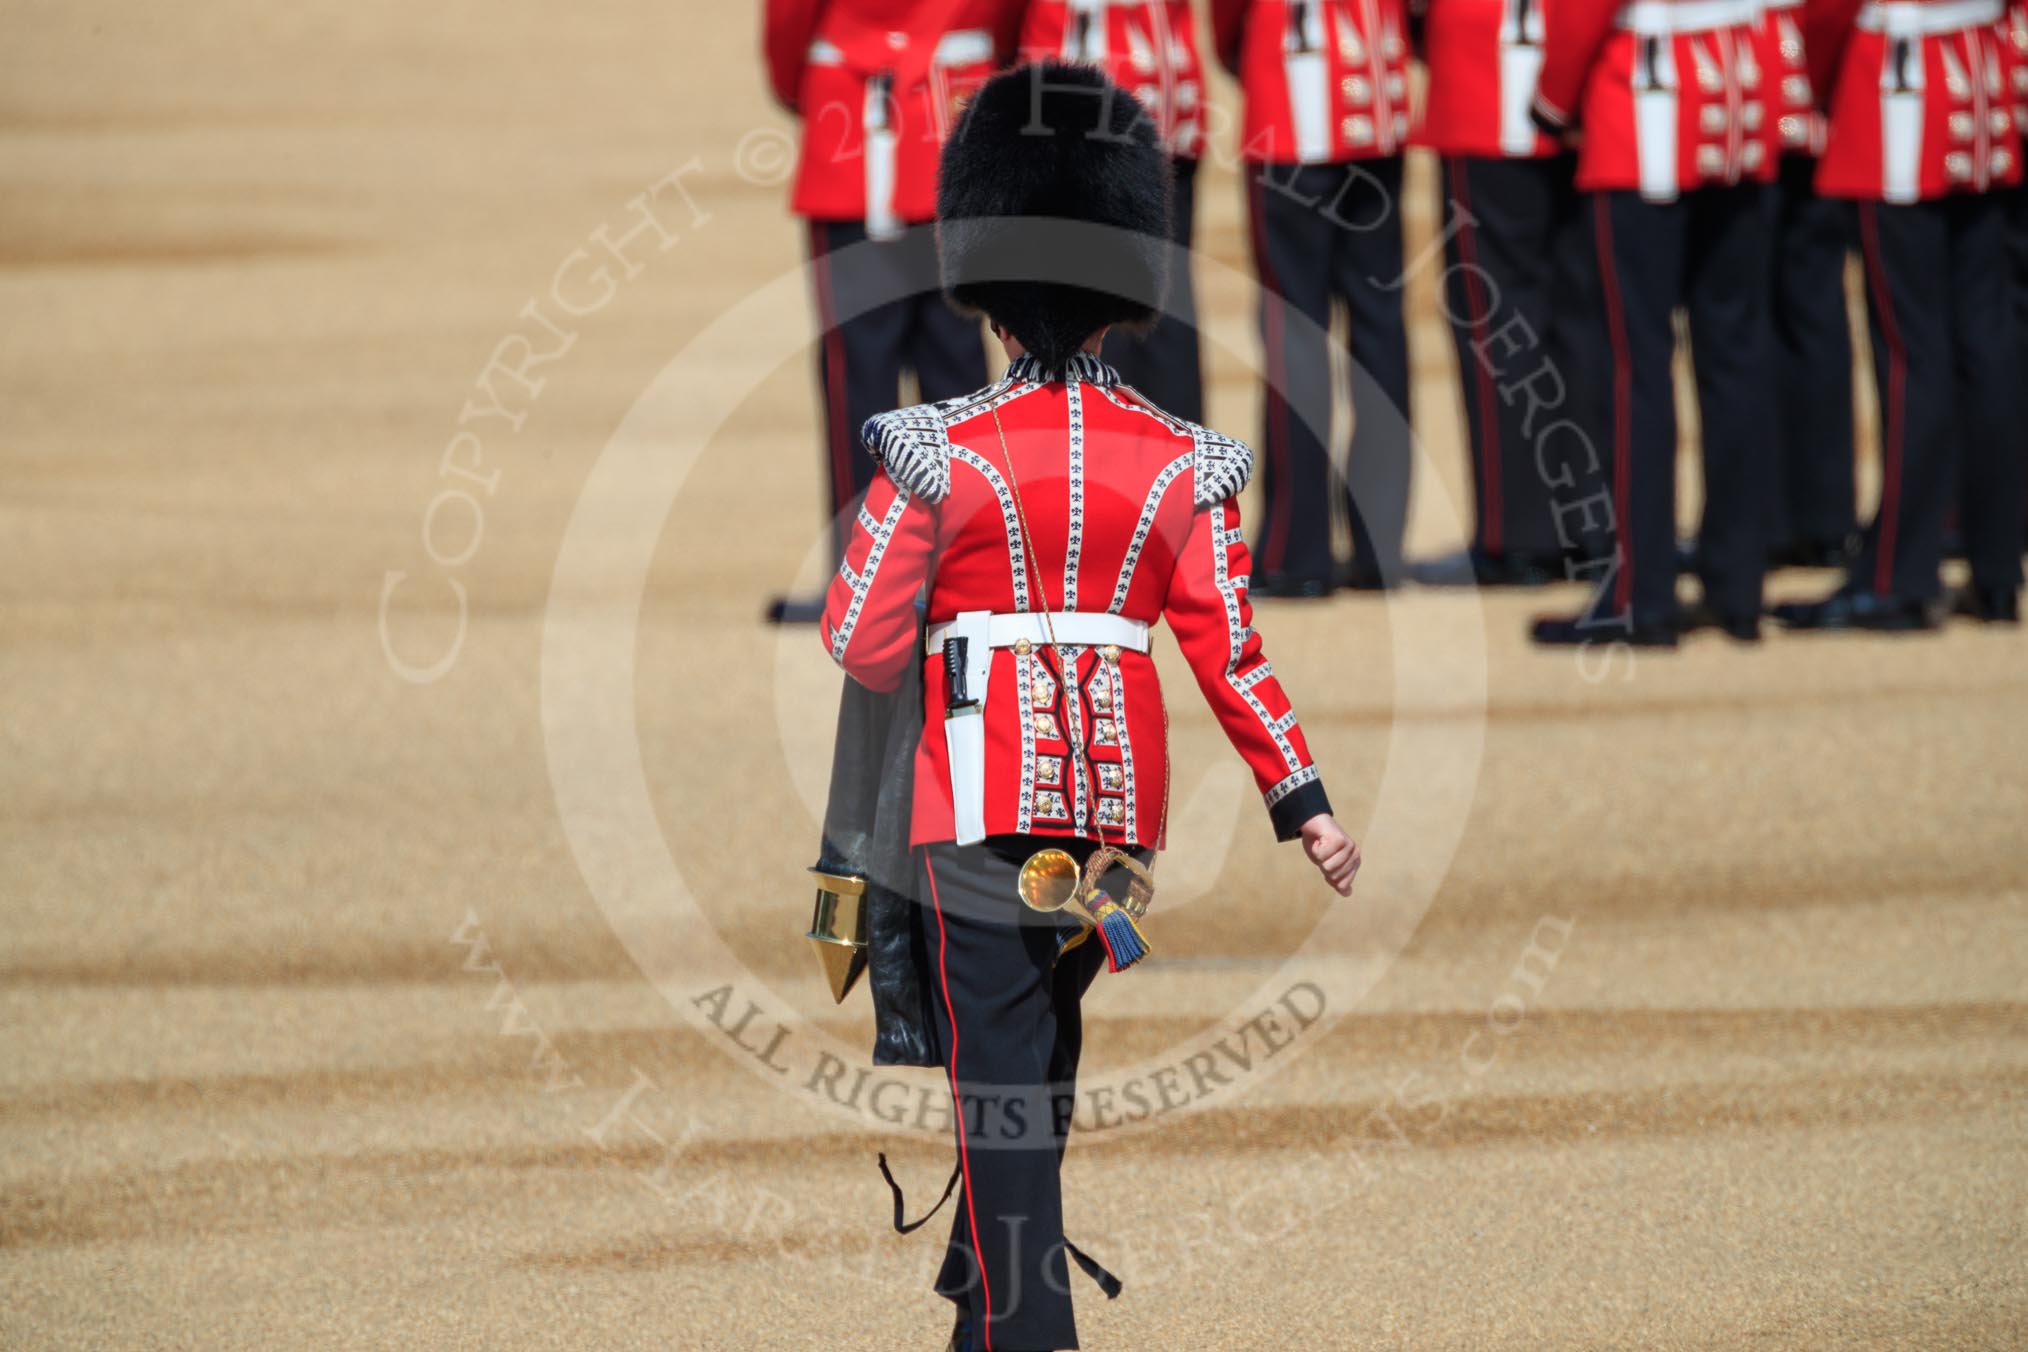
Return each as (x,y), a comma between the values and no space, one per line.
(955,654)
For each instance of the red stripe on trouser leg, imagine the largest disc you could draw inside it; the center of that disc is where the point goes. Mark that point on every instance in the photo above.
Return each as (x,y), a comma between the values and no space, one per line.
(1894,415)
(1623,379)
(958,1103)
(1490,506)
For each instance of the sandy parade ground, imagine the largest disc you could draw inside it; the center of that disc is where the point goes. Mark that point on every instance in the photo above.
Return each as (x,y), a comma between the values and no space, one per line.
(403,808)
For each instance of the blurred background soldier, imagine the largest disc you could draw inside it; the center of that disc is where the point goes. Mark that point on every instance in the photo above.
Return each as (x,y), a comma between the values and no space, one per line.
(1509,209)
(1327,120)
(876,84)
(2017,41)
(1815,513)
(1149,48)
(1922,136)
(1669,100)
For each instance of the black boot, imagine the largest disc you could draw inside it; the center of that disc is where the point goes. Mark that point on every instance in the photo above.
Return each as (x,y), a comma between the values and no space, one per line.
(1365,575)
(1576,631)
(1744,628)
(795,610)
(1989,605)
(1858,610)
(1282,587)
(1476,568)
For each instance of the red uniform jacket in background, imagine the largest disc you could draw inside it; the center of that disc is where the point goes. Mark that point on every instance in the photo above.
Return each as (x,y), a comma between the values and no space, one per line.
(1325,80)
(1483,58)
(1921,97)
(1148,47)
(1798,120)
(1672,95)
(2017,42)
(876,84)
(1130,511)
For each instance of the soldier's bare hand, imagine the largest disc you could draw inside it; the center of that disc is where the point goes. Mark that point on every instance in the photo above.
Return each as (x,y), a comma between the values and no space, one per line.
(1335,854)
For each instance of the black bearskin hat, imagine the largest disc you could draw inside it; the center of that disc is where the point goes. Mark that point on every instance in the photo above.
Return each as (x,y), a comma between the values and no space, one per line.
(1042,153)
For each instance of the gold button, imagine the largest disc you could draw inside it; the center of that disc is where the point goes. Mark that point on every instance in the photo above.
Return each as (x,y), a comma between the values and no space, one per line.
(1111,653)
(1023,646)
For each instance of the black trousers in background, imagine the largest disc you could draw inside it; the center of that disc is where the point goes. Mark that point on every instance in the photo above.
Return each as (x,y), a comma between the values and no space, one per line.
(1505,222)
(1948,366)
(1706,252)
(1009,1031)
(1814,498)
(2017,239)
(1165,363)
(881,311)
(1325,233)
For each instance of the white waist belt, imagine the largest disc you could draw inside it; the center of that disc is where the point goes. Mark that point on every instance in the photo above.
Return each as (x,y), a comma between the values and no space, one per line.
(1915,18)
(964,724)
(1072,629)
(1661,18)
(964,47)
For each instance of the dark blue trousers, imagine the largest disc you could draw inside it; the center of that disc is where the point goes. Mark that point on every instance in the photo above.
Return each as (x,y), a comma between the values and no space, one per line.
(881,313)
(1948,368)
(1705,254)
(1506,221)
(1814,499)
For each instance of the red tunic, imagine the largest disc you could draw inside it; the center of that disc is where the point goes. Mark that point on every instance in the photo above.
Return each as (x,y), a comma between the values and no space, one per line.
(1148,47)
(1325,80)
(2017,45)
(1130,512)
(1483,58)
(876,84)
(1671,94)
(1921,103)
(1798,123)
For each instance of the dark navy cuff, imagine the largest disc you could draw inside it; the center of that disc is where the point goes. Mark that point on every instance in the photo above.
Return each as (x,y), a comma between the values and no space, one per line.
(1294,801)
(1551,121)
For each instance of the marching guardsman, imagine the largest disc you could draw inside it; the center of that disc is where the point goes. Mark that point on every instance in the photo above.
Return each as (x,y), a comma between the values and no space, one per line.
(1326,125)
(1669,99)
(1509,210)
(1922,137)
(876,85)
(1815,517)
(1148,48)
(1049,520)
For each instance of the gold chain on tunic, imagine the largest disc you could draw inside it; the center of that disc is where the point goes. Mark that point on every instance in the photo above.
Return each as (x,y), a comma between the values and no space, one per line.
(1051,880)
(1033,566)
